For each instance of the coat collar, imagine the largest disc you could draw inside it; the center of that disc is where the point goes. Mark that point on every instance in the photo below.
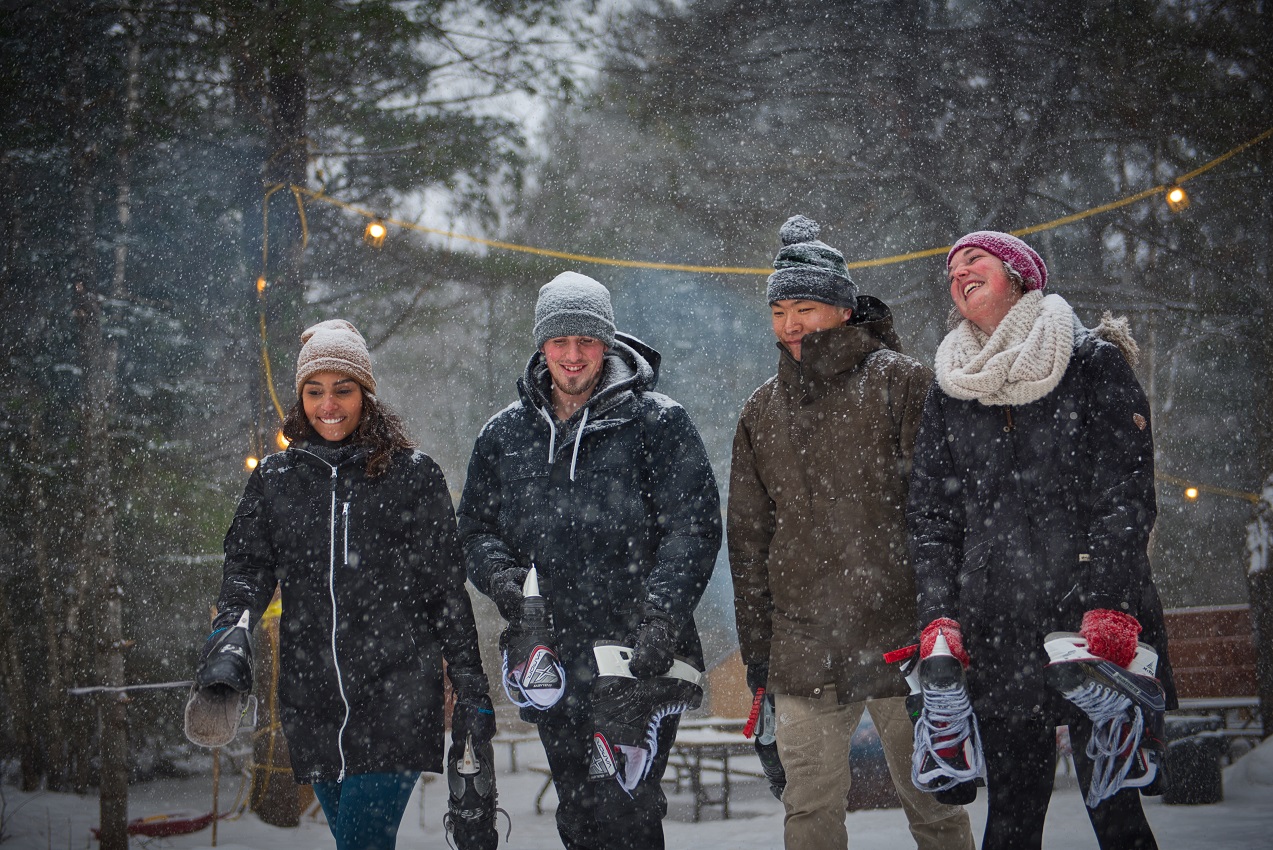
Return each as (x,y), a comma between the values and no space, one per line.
(836,351)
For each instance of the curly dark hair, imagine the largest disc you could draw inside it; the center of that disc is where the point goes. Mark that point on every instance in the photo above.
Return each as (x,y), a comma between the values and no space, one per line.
(378,427)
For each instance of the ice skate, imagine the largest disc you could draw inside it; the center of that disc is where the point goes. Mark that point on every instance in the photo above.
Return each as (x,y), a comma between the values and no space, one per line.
(219,699)
(763,722)
(947,760)
(533,675)
(470,778)
(627,712)
(1126,707)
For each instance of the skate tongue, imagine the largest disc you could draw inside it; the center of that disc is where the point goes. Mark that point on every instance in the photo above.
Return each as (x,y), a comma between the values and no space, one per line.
(468,762)
(940,646)
(530,587)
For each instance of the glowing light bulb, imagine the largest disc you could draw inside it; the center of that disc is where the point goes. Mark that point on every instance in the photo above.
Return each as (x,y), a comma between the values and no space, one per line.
(375,234)
(1177,200)
(282,441)
(250,462)
(1191,493)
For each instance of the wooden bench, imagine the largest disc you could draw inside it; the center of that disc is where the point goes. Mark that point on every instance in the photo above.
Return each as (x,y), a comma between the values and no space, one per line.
(1212,650)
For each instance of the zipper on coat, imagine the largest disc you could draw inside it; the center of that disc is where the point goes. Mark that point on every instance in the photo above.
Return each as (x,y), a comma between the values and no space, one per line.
(331,590)
(344,521)
(1007,412)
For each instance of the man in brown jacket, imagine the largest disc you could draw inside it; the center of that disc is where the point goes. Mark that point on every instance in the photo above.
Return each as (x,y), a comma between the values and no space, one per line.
(817,541)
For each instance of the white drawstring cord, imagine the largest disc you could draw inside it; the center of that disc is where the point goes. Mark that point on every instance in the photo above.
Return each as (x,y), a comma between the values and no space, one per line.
(574,458)
(552,433)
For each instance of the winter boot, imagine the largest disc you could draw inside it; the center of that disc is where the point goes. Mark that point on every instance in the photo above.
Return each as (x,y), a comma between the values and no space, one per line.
(627,711)
(533,675)
(763,722)
(947,760)
(470,778)
(219,696)
(1126,707)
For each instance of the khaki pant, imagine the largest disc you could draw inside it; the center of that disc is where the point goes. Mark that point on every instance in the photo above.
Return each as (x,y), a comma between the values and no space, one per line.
(813,743)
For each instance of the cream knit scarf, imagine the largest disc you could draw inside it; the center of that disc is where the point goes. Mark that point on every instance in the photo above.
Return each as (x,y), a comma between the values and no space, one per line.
(1022,361)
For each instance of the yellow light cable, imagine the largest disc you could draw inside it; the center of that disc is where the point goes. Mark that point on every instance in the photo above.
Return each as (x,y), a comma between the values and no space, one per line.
(856,264)
(1253,498)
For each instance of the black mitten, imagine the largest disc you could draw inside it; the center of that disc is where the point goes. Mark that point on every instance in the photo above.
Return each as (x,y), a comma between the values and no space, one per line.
(653,644)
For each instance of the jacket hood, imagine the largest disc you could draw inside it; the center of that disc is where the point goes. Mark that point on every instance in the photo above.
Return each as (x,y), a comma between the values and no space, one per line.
(835,351)
(630,366)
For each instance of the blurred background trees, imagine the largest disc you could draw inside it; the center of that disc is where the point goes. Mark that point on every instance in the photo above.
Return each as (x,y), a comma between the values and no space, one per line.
(139,142)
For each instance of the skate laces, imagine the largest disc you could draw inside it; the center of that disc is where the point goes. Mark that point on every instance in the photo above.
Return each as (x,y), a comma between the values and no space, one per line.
(947,741)
(1117,728)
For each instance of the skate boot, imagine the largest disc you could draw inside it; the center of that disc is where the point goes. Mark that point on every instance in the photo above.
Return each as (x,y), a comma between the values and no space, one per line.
(947,761)
(533,675)
(1126,707)
(763,722)
(627,712)
(219,699)
(470,779)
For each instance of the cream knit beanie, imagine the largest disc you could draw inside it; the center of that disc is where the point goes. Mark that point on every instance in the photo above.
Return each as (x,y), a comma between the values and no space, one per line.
(334,346)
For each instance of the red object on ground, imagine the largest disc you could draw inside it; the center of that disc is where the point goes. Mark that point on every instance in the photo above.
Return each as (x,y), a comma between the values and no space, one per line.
(162,826)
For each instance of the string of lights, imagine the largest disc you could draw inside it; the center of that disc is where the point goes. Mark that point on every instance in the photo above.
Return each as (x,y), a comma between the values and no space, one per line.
(376,231)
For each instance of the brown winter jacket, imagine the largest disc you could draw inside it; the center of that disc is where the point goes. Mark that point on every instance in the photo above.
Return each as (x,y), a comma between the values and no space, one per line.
(817,524)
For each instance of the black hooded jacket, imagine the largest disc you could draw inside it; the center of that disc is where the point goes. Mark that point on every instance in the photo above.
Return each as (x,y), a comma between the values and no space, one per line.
(615,507)
(1023,518)
(378,558)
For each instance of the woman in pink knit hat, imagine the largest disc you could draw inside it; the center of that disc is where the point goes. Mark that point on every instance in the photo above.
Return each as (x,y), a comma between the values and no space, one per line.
(1030,509)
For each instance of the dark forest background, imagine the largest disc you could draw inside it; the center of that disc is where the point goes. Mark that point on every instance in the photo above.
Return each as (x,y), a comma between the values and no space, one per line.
(147,150)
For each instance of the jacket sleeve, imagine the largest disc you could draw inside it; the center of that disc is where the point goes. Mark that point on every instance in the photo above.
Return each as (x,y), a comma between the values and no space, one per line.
(935,516)
(1121,456)
(910,391)
(485,551)
(686,507)
(446,605)
(751,525)
(248,577)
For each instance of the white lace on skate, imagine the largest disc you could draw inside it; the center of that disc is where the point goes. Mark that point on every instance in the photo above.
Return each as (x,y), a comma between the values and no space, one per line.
(947,722)
(1114,745)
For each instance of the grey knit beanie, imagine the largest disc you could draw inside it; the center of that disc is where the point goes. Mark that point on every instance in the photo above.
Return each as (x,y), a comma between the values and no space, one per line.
(809,270)
(572,304)
(334,346)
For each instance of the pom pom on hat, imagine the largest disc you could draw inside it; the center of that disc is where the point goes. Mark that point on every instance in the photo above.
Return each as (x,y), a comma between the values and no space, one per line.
(807,269)
(1023,259)
(334,346)
(572,304)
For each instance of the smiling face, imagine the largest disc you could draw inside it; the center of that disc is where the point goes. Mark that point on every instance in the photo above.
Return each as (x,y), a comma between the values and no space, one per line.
(574,362)
(981,289)
(793,318)
(333,404)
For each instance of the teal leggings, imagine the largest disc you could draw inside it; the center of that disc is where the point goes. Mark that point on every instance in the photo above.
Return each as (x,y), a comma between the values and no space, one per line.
(364,811)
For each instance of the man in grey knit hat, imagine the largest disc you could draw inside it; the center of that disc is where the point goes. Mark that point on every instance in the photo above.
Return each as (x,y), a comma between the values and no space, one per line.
(603,485)
(817,542)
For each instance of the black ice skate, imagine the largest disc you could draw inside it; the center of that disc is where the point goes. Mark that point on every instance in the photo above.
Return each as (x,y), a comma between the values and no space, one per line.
(763,722)
(219,697)
(470,778)
(533,675)
(627,712)
(947,760)
(1126,707)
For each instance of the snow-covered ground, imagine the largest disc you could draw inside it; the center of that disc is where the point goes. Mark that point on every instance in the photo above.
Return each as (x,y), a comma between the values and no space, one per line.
(1243,821)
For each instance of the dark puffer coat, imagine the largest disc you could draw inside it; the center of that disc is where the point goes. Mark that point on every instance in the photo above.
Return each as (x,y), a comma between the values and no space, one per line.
(1023,518)
(622,513)
(380,558)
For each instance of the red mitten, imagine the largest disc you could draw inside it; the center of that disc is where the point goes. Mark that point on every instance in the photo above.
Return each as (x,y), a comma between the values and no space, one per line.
(1111,635)
(954,639)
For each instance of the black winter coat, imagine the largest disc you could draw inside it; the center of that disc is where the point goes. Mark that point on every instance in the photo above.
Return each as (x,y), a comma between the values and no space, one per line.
(380,558)
(639,522)
(1023,518)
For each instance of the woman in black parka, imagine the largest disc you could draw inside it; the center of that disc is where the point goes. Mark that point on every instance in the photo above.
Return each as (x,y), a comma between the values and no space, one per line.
(1030,509)
(358,529)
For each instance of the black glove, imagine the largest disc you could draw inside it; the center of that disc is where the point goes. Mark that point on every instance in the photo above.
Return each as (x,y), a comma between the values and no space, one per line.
(506,592)
(473,713)
(653,644)
(226,659)
(758,675)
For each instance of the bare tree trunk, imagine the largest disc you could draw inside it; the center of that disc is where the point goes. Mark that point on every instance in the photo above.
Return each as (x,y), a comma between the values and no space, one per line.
(13,678)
